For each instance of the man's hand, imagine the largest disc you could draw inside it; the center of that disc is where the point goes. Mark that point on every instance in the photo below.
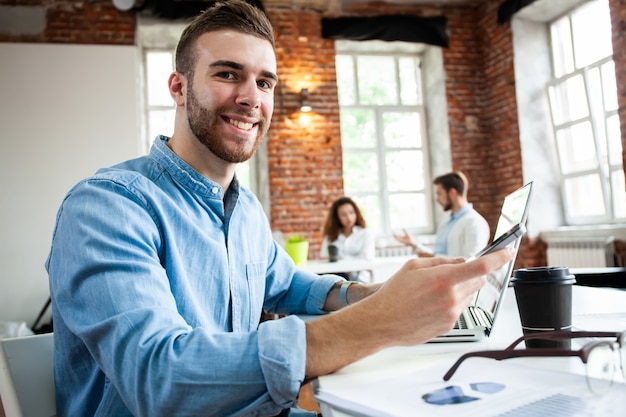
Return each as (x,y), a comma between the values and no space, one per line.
(405,238)
(418,248)
(422,300)
(433,294)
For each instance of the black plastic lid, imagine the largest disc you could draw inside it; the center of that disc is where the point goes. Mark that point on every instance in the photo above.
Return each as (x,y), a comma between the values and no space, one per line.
(543,275)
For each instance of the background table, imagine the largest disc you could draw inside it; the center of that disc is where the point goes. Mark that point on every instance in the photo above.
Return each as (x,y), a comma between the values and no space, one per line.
(381,267)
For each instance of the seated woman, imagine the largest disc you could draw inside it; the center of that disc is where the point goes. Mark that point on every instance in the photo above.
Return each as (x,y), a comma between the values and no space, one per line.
(345,228)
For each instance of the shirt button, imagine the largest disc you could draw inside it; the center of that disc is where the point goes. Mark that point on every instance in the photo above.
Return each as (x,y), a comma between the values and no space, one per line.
(214,190)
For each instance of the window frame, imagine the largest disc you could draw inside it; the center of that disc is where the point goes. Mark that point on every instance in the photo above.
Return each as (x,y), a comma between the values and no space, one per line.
(381,150)
(598,117)
(147,107)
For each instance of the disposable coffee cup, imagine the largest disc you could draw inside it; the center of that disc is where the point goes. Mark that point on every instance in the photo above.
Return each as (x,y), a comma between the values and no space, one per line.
(333,253)
(544,301)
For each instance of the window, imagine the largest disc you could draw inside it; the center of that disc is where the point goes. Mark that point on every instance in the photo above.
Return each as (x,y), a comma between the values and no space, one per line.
(158,51)
(583,102)
(383,137)
(160,107)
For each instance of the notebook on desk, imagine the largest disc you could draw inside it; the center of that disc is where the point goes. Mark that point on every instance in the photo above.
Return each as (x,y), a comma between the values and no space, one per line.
(477,319)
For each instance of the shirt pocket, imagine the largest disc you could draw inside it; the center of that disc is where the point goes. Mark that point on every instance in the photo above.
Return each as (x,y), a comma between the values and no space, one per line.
(255,274)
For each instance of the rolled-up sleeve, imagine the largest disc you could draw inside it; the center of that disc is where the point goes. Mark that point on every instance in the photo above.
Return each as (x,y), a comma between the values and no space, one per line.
(282,354)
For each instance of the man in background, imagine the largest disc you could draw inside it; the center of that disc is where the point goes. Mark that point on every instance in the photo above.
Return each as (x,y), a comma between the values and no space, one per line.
(463,233)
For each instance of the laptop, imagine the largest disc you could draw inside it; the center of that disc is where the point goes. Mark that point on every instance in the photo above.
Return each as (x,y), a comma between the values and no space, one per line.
(478,319)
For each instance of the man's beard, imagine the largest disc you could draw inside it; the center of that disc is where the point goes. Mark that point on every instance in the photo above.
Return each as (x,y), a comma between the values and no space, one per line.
(448,205)
(204,125)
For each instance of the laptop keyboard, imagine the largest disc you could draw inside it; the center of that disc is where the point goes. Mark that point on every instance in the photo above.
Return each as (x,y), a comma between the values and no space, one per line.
(460,323)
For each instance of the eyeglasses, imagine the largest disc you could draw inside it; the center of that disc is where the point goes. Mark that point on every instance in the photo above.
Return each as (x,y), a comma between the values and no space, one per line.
(597,355)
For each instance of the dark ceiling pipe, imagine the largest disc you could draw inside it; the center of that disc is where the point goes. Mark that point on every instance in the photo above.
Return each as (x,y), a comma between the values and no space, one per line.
(430,30)
(509,8)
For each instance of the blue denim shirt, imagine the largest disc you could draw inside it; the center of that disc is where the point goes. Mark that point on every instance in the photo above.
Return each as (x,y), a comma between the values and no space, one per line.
(158,285)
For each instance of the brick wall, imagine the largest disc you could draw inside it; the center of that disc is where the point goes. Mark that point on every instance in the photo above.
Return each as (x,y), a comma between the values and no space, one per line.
(469,105)
(83,22)
(618,23)
(304,151)
(305,156)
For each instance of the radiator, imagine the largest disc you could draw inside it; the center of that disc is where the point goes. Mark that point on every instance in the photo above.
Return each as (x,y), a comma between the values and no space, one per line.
(393,251)
(586,252)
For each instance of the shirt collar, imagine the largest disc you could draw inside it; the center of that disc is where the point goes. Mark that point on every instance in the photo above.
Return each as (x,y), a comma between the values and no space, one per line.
(184,173)
(464,210)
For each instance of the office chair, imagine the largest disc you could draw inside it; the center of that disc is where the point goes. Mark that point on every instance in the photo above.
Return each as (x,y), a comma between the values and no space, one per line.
(26,376)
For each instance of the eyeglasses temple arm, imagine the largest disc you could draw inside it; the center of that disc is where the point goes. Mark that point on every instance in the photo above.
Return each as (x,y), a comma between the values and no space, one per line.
(509,354)
(483,354)
(559,335)
(516,342)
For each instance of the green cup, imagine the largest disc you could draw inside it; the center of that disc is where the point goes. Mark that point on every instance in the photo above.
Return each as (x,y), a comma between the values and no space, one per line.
(299,251)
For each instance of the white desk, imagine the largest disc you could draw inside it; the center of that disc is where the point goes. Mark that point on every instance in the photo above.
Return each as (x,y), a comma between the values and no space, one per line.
(382,267)
(589,304)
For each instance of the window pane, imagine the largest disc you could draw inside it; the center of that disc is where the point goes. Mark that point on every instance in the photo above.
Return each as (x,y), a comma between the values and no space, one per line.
(619,193)
(360,172)
(594,91)
(583,196)
(161,123)
(345,80)
(405,171)
(609,88)
(577,150)
(159,68)
(358,128)
(410,93)
(370,209)
(402,129)
(591,27)
(562,52)
(569,100)
(614,138)
(243,173)
(408,211)
(377,80)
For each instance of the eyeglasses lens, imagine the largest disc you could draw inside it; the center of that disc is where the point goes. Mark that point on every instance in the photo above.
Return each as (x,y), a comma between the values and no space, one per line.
(600,368)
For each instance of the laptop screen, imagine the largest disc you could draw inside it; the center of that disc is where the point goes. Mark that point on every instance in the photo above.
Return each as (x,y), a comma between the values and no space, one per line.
(514,210)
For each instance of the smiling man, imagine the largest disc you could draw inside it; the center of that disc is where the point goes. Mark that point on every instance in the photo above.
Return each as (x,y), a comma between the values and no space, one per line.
(161,267)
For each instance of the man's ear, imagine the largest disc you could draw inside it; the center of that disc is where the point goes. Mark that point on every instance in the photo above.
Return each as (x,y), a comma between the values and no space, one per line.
(177,84)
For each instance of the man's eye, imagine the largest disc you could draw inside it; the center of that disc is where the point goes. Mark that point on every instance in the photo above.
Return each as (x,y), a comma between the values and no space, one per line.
(226,75)
(264,84)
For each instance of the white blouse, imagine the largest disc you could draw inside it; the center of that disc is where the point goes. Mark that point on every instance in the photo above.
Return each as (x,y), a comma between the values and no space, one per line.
(360,244)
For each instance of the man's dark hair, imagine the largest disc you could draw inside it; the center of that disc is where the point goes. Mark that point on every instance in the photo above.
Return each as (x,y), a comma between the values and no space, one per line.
(454,180)
(236,15)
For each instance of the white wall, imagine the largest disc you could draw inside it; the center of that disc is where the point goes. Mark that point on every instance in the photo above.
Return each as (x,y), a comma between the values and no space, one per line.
(66,111)
(539,158)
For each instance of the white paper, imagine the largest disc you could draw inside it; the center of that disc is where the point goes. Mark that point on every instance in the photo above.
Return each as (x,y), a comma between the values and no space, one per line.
(527,392)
